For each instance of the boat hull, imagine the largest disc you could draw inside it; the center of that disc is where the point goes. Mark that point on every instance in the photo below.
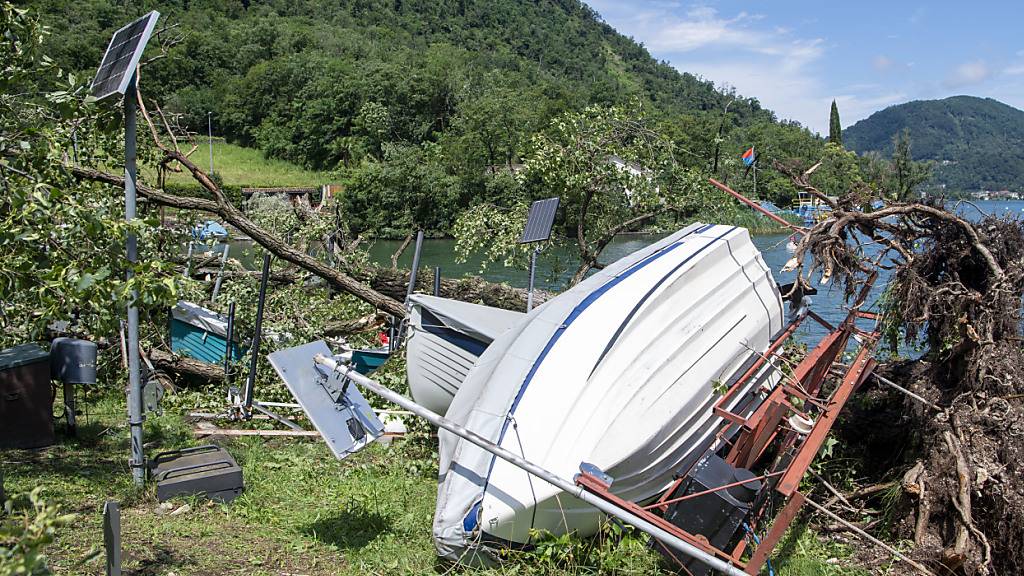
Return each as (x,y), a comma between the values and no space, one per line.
(620,372)
(445,339)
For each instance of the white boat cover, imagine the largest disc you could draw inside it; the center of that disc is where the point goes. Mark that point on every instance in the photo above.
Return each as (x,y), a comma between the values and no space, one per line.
(483,323)
(200,317)
(445,339)
(618,371)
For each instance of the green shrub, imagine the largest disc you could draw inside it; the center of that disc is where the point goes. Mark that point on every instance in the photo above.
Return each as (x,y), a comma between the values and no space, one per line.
(27,526)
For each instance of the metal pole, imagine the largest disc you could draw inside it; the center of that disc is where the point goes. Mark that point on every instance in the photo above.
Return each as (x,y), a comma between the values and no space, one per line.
(209,131)
(569,487)
(754,167)
(220,273)
(250,383)
(112,536)
(533,272)
(135,417)
(229,348)
(437,280)
(188,261)
(415,265)
(69,408)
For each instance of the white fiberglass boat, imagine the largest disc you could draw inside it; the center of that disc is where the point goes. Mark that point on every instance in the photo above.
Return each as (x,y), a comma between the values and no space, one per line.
(619,371)
(445,339)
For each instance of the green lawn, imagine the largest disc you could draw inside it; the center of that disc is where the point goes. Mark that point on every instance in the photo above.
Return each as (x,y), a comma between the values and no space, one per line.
(303,512)
(248,167)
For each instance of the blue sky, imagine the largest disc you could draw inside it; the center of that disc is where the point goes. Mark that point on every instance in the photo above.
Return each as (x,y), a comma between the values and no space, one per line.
(796,57)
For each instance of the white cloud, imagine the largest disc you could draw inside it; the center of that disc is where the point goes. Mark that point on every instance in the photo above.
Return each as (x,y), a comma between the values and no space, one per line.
(968,73)
(772,63)
(882,63)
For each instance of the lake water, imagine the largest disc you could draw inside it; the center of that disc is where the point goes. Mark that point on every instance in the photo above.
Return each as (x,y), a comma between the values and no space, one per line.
(553,275)
(555,268)
(553,272)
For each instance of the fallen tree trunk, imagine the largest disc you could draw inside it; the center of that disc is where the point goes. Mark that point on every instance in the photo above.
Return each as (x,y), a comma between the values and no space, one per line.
(394,282)
(184,366)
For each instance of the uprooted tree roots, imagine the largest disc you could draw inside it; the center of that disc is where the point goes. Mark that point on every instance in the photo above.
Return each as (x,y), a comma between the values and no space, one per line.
(956,289)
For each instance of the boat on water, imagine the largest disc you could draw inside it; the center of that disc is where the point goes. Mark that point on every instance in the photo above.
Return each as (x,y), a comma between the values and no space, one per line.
(621,371)
(445,339)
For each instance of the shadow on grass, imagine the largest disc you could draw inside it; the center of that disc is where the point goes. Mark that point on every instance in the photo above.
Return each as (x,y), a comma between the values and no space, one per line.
(157,561)
(349,529)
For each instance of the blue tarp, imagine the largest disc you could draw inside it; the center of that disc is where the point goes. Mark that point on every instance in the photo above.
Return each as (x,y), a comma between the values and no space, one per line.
(210,229)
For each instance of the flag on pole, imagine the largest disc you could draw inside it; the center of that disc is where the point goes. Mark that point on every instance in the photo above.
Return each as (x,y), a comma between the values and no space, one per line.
(748,156)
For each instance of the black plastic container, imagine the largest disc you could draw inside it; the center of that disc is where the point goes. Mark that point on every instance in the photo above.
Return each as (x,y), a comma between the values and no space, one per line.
(73,361)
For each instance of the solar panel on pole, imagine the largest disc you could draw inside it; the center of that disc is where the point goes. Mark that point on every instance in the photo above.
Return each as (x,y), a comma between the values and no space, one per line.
(537,229)
(117,75)
(122,57)
(539,221)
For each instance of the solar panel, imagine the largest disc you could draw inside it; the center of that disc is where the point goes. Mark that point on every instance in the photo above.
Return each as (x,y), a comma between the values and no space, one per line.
(540,220)
(342,415)
(122,56)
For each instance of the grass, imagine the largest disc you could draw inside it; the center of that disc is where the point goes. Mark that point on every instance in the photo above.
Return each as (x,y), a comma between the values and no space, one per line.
(240,166)
(303,512)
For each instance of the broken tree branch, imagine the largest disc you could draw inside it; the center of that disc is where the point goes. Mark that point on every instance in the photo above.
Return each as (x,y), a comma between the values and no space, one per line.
(223,208)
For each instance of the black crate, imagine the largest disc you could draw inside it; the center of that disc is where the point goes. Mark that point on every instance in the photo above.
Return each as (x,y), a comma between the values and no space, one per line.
(719,515)
(208,471)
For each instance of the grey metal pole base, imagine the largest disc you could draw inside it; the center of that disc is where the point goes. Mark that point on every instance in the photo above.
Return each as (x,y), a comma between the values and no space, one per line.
(138,460)
(112,536)
(69,408)
(533,273)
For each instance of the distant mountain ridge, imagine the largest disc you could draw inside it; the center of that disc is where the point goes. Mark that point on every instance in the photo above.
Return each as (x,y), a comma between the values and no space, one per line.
(976,143)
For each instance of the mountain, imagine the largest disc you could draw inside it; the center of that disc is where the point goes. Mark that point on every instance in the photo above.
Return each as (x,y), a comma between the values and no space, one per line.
(426,99)
(294,77)
(975,143)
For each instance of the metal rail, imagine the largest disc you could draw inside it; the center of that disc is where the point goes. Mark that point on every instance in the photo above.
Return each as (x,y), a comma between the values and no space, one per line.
(569,487)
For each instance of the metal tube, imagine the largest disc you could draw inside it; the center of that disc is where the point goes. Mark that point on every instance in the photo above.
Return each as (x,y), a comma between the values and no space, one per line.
(220,273)
(755,206)
(415,264)
(135,417)
(437,280)
(899,388)
(569,487)
(228,347)
(250,382)
(69,408)
(533,272)
(209,131)
(188,261)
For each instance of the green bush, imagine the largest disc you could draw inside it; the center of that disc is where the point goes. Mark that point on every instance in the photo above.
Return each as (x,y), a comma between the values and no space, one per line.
(28,525)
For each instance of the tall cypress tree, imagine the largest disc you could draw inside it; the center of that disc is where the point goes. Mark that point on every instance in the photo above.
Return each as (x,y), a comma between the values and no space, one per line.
(835,130)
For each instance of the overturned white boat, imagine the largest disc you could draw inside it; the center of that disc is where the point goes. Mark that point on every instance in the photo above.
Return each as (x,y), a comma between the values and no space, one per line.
(619,371)
(445,339)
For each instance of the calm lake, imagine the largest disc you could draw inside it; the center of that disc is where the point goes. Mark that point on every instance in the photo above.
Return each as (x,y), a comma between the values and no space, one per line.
(555,267)
(553,272)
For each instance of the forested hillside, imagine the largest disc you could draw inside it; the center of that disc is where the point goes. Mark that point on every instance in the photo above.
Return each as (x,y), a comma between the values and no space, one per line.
(976,143)
(416,99)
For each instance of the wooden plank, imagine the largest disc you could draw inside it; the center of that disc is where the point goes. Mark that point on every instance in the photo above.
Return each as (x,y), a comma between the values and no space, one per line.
(233,432)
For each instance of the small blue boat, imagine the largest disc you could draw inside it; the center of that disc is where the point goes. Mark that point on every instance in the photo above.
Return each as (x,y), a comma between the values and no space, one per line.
(367,360)
(200,333)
